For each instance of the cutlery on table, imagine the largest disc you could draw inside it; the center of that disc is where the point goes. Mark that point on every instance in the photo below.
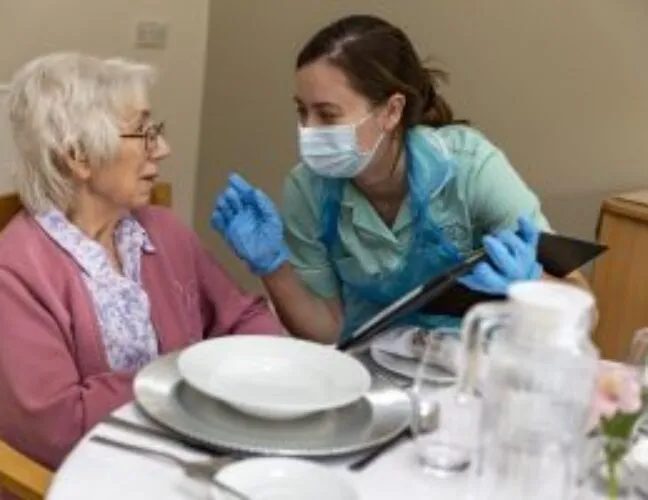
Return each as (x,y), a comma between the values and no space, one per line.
(427,421)
(142,429)
(167,436)
(198,469)
(439,364)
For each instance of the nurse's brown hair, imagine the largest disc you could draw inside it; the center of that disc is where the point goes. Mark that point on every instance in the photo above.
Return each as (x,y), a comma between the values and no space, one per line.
(379,60)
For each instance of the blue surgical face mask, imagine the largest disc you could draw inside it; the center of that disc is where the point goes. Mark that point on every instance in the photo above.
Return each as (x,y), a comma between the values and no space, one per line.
(333,151)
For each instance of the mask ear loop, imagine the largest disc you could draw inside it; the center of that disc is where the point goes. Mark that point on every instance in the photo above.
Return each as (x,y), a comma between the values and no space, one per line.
(360,123)
(372,152)
(379,141)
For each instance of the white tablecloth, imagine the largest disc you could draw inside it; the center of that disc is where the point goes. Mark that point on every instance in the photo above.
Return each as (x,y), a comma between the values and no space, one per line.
(97,472)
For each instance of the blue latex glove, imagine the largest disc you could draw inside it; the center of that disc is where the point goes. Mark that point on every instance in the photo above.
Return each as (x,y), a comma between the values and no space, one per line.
(249,222)
(512,256)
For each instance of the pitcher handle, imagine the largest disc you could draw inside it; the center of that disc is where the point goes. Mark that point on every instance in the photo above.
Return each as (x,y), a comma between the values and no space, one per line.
(480,322)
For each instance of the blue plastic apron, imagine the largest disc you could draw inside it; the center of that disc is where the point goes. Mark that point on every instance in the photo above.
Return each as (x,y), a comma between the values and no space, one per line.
(429,253)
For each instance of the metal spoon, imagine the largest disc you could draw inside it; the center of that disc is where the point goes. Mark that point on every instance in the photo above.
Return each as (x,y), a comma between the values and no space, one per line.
(202,469)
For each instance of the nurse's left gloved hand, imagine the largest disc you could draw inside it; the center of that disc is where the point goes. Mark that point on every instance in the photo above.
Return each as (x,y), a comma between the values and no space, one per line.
(249,222)
(512,256)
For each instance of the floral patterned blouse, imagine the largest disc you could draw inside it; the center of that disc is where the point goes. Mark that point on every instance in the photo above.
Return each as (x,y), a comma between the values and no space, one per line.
(121,304)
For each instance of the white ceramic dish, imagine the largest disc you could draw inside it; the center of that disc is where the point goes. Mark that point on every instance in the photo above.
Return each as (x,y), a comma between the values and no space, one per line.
(284,479)
(163,395)
(274,377)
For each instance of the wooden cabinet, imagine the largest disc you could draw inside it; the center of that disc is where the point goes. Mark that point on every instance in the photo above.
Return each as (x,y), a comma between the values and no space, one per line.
(620,279)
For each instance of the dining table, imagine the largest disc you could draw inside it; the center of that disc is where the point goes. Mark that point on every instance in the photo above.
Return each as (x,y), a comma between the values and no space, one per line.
(93,470)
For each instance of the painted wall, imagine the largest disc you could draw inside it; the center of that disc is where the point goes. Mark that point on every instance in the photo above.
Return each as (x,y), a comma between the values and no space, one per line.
(29,28)
(561,86)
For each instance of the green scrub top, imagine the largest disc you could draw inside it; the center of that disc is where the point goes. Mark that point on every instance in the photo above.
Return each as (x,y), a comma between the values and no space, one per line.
(484,195)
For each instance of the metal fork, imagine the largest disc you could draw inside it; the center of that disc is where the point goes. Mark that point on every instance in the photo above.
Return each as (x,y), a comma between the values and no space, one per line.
(203,469)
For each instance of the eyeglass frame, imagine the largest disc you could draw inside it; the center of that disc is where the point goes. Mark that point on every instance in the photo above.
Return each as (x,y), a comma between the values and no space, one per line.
(150,136)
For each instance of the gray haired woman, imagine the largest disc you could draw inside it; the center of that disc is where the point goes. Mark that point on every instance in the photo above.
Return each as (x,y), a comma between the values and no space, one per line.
(94,283)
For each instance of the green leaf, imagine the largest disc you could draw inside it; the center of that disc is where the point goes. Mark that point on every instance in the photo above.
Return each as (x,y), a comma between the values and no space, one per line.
(620,426)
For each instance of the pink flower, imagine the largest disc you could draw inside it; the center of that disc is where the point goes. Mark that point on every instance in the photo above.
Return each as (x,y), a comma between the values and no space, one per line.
(618,390)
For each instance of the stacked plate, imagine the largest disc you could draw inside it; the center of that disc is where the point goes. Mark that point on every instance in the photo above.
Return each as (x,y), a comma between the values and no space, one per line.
(271,395)
(274,377)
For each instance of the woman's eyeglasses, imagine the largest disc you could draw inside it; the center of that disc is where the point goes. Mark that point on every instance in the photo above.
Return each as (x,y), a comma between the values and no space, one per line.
(150,136)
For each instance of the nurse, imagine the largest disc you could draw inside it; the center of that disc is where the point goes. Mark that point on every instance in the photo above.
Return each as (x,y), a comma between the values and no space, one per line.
(390,191)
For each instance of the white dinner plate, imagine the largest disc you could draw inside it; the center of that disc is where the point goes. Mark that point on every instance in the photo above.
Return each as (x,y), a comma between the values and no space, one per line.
(284,479)
(395,352)
(274,377)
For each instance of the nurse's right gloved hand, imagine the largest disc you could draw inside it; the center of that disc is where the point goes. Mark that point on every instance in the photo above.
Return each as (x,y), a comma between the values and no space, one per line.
(248,220)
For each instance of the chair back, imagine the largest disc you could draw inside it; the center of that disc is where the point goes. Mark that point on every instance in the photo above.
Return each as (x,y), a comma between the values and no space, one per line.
(10,203)
(9,206)
(22,477)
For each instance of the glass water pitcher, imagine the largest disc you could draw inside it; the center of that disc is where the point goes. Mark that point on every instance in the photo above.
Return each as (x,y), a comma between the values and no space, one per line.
(531,362)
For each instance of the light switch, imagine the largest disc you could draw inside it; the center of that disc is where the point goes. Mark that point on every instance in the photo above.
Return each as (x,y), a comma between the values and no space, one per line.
(151,35)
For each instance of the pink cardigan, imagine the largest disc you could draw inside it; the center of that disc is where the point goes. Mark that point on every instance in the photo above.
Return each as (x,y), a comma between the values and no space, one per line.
(55,382)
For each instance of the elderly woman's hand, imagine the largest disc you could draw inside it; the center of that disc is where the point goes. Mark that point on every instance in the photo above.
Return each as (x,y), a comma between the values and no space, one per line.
(251,225)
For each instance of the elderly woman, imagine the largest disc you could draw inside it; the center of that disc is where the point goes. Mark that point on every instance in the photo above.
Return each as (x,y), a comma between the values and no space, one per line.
(94,283)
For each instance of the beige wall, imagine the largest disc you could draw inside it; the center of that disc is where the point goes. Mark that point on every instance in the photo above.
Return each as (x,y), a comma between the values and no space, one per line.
(29,28)
(561,86)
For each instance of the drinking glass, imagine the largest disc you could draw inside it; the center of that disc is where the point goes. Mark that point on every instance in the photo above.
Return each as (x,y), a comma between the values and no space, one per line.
(444,424)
